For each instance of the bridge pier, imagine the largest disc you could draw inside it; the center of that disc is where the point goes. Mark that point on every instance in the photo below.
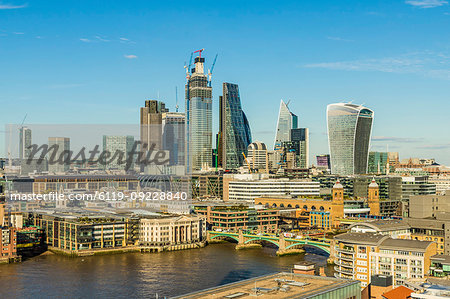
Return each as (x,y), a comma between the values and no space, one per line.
(282,248)
(241,243)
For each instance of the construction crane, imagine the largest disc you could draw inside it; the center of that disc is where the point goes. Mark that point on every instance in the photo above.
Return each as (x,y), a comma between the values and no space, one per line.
(211,70)
(199,52)
(248,164)
(176,99)
(188,67)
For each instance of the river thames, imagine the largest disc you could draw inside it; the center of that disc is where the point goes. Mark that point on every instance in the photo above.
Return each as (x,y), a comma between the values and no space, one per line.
(138,275)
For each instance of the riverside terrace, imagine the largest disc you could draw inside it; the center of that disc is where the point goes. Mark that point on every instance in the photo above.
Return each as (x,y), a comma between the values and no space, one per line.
(283,286)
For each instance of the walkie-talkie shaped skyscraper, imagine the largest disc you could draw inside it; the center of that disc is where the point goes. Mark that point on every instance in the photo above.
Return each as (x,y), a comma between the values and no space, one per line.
(349,132)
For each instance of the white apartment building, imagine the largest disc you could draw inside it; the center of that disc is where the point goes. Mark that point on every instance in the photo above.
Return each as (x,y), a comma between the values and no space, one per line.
(249,189)
(172,230)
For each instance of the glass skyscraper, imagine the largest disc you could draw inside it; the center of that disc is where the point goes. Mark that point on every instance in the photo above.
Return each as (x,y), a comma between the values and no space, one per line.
(349,132)
(198,118)
(24,143)
(234,131)
(286,121)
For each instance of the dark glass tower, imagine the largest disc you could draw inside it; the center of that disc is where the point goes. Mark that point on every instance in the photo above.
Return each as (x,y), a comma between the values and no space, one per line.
(234,130)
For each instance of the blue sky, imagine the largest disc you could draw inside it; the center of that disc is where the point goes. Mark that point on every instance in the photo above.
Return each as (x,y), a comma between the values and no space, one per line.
(97,62)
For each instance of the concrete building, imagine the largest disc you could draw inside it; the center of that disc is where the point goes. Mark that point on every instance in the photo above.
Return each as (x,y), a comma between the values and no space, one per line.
(283,286)
(442,182)
(416,185)
(349,131)
(246,187)
(361,255)
(151,124)
(56,161)
(257,157)
(428,206)
(198,117)
(171,230)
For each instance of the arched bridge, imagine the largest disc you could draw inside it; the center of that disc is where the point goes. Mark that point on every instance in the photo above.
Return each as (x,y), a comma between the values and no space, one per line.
(283,244)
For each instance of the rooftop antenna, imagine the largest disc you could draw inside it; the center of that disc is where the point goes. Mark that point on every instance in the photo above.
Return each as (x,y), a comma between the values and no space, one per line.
(176,99)
(287,104)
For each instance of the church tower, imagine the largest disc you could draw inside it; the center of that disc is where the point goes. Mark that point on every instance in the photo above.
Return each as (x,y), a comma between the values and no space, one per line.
(374,198)
(337,206)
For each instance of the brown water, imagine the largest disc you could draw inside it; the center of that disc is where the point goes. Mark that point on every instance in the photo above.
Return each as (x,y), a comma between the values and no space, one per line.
(136,275)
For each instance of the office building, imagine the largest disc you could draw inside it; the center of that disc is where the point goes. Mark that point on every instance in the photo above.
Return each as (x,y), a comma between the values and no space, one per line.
(257,157)
(24,143)
(198,118)
(120,147)
(323,161)
(297,149)
(235,218)
(57,158)
(361,255)
(151,124)
(75,232)
(349,131)
(171,230)
(378,163)
(249,187)
(234,129)
(173,126)
(416,185)
(286,121)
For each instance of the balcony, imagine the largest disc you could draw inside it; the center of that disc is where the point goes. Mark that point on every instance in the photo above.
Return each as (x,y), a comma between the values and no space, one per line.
(345,264)
(343,250)
(344,271)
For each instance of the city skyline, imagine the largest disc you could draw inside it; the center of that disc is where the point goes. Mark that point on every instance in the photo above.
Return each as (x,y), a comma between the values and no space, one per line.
(390,81)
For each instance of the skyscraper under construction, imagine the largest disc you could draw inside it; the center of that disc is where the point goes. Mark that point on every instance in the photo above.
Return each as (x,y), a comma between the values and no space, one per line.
(198,116)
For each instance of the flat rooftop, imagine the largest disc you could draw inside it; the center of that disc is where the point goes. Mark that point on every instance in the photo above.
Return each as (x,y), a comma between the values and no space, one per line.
(274,286)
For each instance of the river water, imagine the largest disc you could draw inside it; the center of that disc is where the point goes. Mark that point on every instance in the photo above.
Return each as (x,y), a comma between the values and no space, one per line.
(142,275)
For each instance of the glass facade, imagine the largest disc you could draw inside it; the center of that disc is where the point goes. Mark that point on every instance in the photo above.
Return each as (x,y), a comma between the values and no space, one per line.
(286,121)
(377,162)
(198,119)
(235,129)
(349,132)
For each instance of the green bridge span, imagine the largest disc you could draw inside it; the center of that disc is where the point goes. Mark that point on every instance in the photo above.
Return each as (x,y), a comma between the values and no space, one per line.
(283,244)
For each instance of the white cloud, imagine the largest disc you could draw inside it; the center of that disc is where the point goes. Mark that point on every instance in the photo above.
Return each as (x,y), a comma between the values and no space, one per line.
(85,40)
(11,6)
(336,38)
(427,63)
(124,39)
(18,33)
(99,38)
(426,3)
(131,56)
